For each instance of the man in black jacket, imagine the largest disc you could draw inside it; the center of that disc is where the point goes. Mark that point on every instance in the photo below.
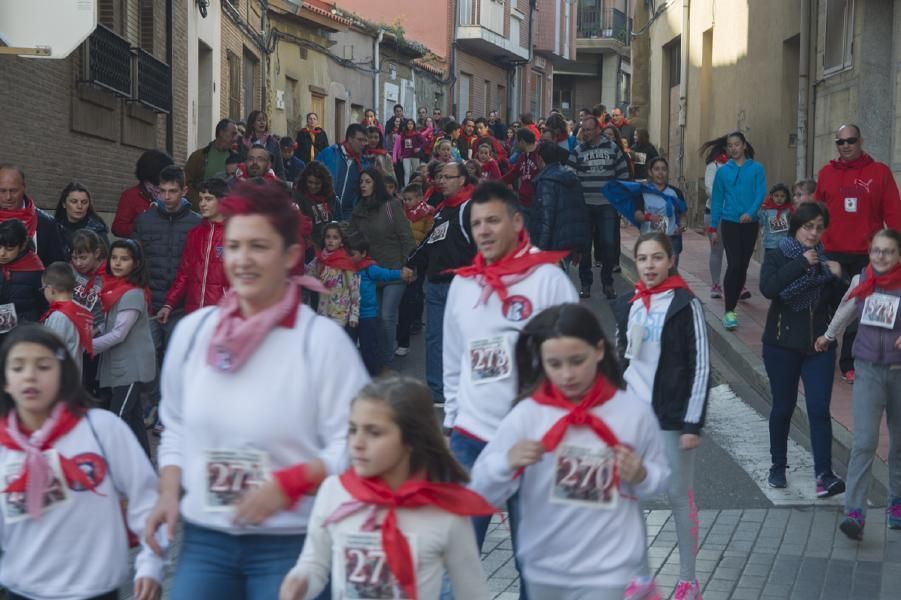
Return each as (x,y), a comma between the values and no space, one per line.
(41,227)
(559,214)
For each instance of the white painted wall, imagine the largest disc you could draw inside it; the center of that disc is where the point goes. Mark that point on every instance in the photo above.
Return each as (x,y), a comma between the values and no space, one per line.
(208,30)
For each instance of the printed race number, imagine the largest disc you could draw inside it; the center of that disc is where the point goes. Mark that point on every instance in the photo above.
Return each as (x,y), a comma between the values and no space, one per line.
(778,224)
(489,359)
(584,476)
(366,572)
(57,494)
(230,474)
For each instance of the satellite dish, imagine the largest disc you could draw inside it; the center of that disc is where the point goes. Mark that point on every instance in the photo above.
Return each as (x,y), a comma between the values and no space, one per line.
(45,28)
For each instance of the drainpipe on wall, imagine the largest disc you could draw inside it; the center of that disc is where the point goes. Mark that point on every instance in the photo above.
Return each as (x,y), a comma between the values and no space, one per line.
(377,67)
(452,88)
(683,87)
(803,85)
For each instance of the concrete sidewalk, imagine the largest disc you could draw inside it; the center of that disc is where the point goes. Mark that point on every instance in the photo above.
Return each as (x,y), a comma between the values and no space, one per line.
(742,349)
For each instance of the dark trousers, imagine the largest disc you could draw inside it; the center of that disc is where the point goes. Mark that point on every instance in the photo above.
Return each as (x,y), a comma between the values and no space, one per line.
(126,402)
(368,333)
(785,368)
(852,264)
(605,235)
(411,308)
(738,242)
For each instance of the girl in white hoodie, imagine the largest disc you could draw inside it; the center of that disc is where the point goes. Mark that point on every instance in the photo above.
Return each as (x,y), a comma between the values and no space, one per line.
(580,451)
(64,467)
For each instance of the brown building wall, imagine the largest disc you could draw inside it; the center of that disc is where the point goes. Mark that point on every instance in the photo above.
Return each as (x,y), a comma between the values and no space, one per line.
(480,71)
(234,43)
(429,31)
(58,130)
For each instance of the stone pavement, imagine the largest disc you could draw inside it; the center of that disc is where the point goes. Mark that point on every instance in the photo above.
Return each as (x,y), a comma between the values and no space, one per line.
(742,348)
(753,554)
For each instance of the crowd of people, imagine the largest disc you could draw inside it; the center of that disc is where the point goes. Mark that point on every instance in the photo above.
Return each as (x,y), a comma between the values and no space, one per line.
(291,271)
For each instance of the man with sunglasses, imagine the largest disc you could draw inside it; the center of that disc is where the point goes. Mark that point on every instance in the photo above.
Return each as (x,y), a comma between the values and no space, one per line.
(862,198)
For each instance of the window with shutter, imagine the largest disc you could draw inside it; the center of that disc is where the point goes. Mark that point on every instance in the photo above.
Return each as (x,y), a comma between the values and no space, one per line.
(132,22)
(106,13)
(234,86)
(146,25)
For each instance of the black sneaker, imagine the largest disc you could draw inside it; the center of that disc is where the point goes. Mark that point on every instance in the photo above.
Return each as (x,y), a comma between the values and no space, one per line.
(829,485)
(617,269)
(609,292)
(585,292)
(776,478)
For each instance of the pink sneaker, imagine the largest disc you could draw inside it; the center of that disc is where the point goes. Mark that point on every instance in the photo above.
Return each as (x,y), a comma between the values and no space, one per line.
(716,291)
(640,589)
(687,590)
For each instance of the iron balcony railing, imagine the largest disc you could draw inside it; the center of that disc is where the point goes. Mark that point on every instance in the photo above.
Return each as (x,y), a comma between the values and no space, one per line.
(597,22)
(109,61)
(154,81)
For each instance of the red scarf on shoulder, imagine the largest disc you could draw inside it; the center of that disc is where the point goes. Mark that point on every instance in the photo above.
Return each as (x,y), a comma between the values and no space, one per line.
(644,293)
(341,260)
(457,199)
(353,155)
(36,474)
(422,210)
(413,493)
(509,270)
(890,280)
(27,214)
(25,263)
(368,151)
(80,317)
(113,288)
(769,204)
(322,201)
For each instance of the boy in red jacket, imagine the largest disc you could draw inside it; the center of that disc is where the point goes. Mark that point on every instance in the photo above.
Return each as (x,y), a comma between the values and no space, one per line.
(200,280)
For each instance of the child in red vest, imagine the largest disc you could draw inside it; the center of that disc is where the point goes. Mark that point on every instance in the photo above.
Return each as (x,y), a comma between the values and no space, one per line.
(72,322)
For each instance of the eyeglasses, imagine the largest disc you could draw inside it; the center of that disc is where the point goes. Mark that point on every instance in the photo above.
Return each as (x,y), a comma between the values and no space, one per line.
(883,251)
(843,141)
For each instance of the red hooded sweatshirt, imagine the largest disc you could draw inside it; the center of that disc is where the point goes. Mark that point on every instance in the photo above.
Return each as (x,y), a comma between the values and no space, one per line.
(861,195)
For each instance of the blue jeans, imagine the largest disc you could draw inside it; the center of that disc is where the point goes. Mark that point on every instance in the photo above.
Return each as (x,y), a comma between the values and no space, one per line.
(389,307)
(214,565)
(369,334)
(435,299)
(785,368)
(605,233)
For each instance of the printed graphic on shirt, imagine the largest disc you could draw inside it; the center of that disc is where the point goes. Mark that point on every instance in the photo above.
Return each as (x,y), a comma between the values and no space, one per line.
(408,143)
(584,477)
(439,233)
(231,473)
(778,224)
(86,297)
(57,494)
(220,252)
(363,568)
(489,359)
(517,308)
(8,317)
(636,337)
(850,205)
(91,465)
(319,214)
(661,225)
(880,310)
(639,158)
(644,328)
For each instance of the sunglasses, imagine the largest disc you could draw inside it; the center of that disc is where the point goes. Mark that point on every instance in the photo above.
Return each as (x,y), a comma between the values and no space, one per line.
(842,142)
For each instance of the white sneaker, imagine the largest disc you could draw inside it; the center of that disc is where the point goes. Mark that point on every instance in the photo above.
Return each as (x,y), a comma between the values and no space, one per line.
(401,351)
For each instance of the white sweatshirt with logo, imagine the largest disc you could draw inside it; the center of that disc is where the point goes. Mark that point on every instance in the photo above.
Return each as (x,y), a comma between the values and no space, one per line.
(290,402)
(561,543)
(484,336)
(79,548)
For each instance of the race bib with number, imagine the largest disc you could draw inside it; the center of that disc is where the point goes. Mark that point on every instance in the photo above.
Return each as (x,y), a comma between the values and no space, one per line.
(57,494)
(408,143)
(8,317)
(85,297)
(364,570)
(584,476)
(439,233)
(230,474)
(662,225)
(489,359)
(851,205)
(778,224)
(880,310)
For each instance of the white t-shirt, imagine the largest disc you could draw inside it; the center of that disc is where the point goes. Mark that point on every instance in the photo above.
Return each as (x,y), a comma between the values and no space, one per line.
(645,329)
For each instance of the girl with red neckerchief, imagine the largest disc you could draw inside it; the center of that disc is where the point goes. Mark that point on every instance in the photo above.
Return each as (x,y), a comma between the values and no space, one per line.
(399,517)
(63,534)
(87,261)
(339,274)
(375,155)
(662,340)
(315,194)
(580,451)
(21,298)
(407,146)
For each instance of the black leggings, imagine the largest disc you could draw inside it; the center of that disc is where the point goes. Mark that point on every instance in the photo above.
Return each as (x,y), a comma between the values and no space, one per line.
(738,242)
(126,402)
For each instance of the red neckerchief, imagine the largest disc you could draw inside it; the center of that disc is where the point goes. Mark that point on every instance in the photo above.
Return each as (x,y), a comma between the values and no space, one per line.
(312,132)
(92,277)
(853,165)
(887,281)
(27,214)
(561,137)
(721,158)
(241,174)
(644,293)
(520,262)
(408,133)
(421,211)
(113,288)
(351,154)
(73,474)
(413,493)
(770,204)
(377,151)
(27,262)
(80,317)
(457,199)
(341,260)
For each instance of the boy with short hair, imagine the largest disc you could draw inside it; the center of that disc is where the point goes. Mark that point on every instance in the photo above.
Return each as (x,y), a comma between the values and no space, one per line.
(21,298)
(293,165)
(72,322)
(421,216)
(803,191)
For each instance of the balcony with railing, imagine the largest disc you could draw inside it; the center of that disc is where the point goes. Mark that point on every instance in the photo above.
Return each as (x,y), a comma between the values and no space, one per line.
(154,81)
(483,30)
(600,28)
(108,61)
